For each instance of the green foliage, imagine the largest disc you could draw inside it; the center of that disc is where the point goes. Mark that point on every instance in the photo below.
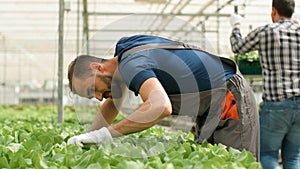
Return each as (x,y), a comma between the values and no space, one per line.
(40,142)
(249,57)
(249,63)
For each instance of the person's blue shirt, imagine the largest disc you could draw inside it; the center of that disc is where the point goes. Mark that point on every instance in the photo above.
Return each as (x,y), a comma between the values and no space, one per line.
(178,70)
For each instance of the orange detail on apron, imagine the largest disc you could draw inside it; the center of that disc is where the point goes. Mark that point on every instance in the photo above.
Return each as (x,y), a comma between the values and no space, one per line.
(229,107)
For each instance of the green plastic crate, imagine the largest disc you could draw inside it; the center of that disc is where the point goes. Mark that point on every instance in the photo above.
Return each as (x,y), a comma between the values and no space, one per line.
(249,68)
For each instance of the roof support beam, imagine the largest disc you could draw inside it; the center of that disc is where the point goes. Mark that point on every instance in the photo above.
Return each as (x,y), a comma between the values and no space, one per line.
(86,25)
(155,14)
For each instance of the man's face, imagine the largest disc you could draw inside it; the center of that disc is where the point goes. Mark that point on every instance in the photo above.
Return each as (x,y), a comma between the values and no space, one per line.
(97,86)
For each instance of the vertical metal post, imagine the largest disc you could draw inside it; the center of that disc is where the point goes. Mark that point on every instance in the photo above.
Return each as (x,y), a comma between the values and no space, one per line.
(86,26)
(203,29)
(60,106)
(4,70)
(218,27)
(236,11)
(77,31)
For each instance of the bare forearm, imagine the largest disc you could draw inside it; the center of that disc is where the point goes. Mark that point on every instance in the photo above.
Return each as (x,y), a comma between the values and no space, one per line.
(127,126)
(107,113)
(145,117)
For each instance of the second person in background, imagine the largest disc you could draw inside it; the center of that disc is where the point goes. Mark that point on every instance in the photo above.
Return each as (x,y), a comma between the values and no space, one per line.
(278,45)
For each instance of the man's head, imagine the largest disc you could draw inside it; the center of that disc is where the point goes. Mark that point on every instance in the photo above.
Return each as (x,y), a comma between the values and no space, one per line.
(282,9)
(86,78)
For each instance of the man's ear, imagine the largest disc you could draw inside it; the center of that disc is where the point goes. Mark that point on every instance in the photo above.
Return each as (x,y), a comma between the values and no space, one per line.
(274,14)
(274,11)
(96,66)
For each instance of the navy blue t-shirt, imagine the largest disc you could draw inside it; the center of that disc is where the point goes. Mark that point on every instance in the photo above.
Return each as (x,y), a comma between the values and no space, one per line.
(178,70)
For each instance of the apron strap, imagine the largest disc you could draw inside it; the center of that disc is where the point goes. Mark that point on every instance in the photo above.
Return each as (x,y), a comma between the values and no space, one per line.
(178,45)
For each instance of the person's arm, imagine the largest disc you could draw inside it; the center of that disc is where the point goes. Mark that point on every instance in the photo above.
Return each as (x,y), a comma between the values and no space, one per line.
(155,107)
(108,111)
(240,45)
(106,114)
(98,131)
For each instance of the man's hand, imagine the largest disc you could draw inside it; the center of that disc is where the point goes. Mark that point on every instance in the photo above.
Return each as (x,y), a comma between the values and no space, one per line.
(235,20)
(96,137)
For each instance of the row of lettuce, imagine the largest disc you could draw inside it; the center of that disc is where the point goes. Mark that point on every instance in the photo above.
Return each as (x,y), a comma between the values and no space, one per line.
(31,137)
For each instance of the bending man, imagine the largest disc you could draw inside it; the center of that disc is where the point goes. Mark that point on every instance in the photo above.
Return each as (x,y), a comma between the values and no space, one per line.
(171,78)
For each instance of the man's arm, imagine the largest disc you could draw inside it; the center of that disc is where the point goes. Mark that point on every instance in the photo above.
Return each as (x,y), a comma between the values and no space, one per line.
(156,106)
(98,131)
(106,114)
(108,111)
(241,45)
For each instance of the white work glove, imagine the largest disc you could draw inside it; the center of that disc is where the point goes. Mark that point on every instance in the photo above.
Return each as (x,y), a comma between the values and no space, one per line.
(295,18)
(95,137)
(235,19)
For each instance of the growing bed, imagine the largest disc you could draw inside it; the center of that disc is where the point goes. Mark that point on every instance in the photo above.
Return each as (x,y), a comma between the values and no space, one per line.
(30,137)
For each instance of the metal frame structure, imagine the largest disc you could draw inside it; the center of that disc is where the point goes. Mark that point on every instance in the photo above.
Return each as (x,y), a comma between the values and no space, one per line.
(29,56)
(209,9)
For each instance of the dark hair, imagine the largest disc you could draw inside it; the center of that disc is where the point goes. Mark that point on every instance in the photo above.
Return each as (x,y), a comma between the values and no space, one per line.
(284,7)
(79,67)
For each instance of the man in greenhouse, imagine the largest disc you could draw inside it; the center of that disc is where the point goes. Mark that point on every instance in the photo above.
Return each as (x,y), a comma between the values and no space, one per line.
(172,78)
(278,45)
